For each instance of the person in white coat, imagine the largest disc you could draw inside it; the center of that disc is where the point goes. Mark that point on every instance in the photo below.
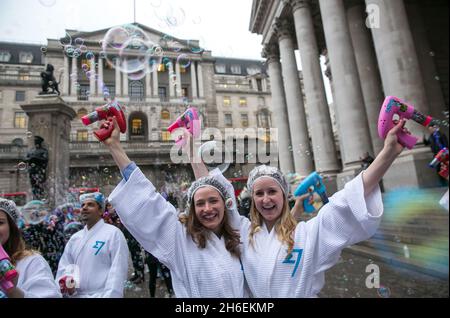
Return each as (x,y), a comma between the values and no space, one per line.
(35,278)
(283,258)
(199,246)
(95,260)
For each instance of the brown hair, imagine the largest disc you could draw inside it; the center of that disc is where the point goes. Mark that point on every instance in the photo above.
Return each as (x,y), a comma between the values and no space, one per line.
(200,234)
(284,226)
(15,245)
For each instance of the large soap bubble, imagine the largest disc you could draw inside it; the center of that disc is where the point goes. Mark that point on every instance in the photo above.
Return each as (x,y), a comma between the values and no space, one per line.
(35,212)
(214,155)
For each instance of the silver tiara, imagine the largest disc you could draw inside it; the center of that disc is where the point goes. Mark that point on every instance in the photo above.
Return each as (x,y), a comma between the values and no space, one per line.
(10,208)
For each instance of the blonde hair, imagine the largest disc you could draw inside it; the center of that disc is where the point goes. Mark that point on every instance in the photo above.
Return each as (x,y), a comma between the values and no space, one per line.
(284,226)
(200,234)
(15,245)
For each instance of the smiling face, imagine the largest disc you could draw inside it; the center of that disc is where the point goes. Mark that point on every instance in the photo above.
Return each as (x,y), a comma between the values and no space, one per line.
(4,228)
(209,208)
(269,200)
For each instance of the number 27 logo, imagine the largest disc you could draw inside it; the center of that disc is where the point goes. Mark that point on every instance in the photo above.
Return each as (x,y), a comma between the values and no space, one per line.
(289,259)
(98,245)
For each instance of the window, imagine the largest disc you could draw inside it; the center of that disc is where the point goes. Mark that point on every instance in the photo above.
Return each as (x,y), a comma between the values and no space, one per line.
(82,135)
(250,84)
(165,135)
(226,101)
(111,89)
(162,93)
(136,90)
(20,96)
(242,101)
(220,68)
(137,127)
(236,69)
(19,120)
(81,112)
(162,67)
(25,57)
(5,56)
(165,114)
(252,70)
(261,101)
(244,120)
(259,84)
(83,92)
(24,76)
(185,92)
(228,120)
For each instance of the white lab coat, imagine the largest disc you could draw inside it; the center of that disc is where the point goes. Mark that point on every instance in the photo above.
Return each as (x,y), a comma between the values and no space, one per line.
(346,219)
(36,278)
(98,261)
(209,272)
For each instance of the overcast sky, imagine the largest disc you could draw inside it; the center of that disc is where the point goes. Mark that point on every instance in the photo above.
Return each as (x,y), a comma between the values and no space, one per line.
(220,25)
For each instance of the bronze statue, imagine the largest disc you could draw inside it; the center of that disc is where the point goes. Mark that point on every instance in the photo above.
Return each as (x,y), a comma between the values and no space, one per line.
(37,159)
(49,81)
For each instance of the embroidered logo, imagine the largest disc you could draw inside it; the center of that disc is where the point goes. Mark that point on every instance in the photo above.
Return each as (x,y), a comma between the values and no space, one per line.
(98,245)
(289,259)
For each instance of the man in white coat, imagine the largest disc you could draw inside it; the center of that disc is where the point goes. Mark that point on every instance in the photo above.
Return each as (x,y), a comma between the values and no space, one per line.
(95,260)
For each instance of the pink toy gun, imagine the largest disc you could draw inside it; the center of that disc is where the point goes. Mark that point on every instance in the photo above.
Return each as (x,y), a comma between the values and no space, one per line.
(187,121)
(107,111)
(393,105)
(441,157)
(7,271)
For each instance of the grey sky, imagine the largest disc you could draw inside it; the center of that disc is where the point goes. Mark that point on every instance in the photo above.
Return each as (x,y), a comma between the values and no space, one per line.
(221,26)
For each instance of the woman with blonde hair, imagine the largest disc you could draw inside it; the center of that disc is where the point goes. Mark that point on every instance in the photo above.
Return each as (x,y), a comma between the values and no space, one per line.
(35,278)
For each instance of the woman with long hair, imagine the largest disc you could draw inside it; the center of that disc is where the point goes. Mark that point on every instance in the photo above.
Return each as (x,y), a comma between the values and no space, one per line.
(35,278)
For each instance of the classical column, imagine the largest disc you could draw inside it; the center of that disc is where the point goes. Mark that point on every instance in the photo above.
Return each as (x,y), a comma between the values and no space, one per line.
(178,81)
(200,79)
(353,127)
(118,79)
(427,64)
(155,82)
(324,149)
(100,77)
(65,88)
(92,77)
(125,80)
(397,58)
(171,83)
(279,108)
(294,100)
(193,80)
(73,78)
(367,69)
(148,84)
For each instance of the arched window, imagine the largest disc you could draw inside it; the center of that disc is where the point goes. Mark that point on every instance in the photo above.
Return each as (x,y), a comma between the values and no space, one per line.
(165,114)
(138,126)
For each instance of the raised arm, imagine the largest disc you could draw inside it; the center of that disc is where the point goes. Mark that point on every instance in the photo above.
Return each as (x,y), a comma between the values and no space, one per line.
(113,143)
(373,174)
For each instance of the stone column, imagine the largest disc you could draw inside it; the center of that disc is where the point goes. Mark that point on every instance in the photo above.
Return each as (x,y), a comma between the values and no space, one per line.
(401,76)
(148,84)
(171,84)
(397,58)
(65,88)
(50,117)
(155,82)
(294,100)
(178,81)
(427,64)
(74,80)
(125,80)
(279,108)
(92,78)
(118,79)
(353,127)
(193,80)
(367,69)
(100,77)
(200,80)
(324,149)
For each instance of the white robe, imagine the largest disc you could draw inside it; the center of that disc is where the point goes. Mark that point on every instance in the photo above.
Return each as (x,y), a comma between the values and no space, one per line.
(98,261)
(346,219)
(36,278)
(196,272)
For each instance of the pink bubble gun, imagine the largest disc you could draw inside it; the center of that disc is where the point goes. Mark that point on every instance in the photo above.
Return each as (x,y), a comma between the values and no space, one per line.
(393,105)
(107,111)
(189,120)
(7,271)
